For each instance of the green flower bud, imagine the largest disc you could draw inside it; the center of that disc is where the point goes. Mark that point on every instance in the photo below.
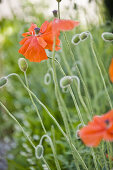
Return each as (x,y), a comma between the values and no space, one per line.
(65,81)
(58,0)
(83,36)
(76,39)
(47,79)
(22,64)
(107,36)
(3,81)
(39,151)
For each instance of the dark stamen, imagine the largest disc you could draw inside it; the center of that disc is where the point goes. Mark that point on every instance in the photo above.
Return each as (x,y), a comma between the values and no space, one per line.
(37,30)
(107,122)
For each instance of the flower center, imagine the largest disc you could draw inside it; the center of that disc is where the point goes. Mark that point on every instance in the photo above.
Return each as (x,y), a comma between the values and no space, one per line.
(107,122)
(37,30)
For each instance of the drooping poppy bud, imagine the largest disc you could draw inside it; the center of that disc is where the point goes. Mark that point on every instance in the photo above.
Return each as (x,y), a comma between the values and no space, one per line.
(39,151)
(107,36)
(55,13)
(22,64)
(47,78)
(65,81)
(3,81)
(83,36)
(76,39)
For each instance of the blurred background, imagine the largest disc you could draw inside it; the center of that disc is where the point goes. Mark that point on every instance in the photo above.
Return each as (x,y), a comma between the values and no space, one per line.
(15,18)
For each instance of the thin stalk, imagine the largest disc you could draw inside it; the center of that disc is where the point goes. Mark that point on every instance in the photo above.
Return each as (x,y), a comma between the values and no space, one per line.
(83,82)
(61,105)
(102,77)
(53,150)
(25,134)
(59,10)
(55,121)
(27,84)
(103,154)
(46,163)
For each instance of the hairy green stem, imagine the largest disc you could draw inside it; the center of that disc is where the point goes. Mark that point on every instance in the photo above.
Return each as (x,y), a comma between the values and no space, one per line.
(61,105)
(34,104)
(27,137)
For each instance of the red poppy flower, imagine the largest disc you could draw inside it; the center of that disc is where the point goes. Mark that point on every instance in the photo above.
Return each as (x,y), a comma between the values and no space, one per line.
(111,71)
(100,128)
(38,39)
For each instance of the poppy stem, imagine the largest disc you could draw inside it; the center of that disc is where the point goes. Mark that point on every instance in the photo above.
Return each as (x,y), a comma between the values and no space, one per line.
(100,71)
(81,78)
(72,95)
(27,84)
(75,151)
(81,99)
(53,150)
(58,10)
(64,110)
(46,163)
(25,134)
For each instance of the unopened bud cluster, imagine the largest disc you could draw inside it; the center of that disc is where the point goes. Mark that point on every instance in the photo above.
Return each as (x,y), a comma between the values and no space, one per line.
(79,37)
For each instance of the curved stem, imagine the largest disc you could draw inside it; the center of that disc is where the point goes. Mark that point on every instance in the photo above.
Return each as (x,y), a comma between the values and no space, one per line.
(55,121)
(82,80)
(62,106)
(34,103)
(25,134)
(107,94)
(52,147)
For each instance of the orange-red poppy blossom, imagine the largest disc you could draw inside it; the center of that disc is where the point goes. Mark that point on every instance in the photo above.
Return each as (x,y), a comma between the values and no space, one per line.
(100,128)
(36,40)
(111,71)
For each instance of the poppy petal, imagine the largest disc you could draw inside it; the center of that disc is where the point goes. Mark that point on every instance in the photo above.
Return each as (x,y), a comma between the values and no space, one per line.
(26,33)
(63,25)
(35,52)
(44,27)
(111,71)
(41,42)
(26,42)
(31,29)
(90,136)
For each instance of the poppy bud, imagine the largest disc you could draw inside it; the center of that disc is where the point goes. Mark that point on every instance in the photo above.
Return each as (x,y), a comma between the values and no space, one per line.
(3,81)
(58,0)
(47,79)
(76,39)
(65,81)
(83,36)
(37,30)
(55,12)
(22,64)
(107,36)
(39,151)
